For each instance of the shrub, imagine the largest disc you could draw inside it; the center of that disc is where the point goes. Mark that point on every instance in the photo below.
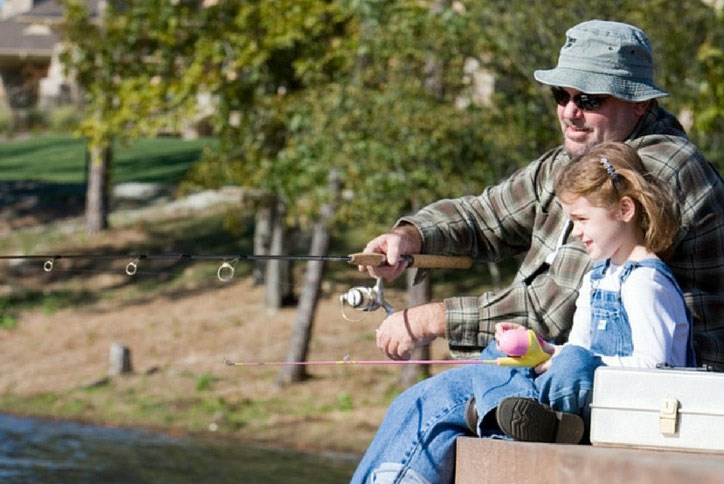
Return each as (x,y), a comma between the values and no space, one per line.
(64,118)
(6,120)
(36,119)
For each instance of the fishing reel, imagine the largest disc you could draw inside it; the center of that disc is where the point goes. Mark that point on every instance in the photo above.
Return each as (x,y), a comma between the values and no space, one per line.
(365,298)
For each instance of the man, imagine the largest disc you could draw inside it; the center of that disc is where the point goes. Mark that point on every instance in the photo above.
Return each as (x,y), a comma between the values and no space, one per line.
(603,85)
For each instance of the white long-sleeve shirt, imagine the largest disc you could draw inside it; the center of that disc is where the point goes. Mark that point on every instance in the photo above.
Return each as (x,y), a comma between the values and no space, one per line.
(656,314)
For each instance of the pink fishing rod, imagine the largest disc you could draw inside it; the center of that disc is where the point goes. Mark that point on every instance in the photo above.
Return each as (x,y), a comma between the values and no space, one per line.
(359,362)
(523,347)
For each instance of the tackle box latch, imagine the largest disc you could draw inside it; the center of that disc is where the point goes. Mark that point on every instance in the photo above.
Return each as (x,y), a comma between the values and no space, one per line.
(668,416)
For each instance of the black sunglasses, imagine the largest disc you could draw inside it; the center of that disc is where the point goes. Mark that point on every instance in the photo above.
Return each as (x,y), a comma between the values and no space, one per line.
(586,102)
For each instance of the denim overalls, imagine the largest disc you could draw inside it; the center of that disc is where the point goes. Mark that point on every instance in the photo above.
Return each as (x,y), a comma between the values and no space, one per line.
(428,417)
(610,328)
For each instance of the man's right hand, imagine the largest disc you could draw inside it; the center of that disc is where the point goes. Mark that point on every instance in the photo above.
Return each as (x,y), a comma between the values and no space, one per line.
(403,240)
(403,331)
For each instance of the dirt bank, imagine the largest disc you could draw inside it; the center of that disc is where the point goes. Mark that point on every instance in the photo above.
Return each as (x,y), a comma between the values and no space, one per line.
(180,323)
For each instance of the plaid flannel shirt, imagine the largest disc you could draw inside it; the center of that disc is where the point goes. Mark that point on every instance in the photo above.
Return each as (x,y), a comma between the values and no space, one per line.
(521,215)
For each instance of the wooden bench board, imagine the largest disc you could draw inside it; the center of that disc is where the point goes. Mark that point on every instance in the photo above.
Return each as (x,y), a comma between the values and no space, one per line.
(480,461)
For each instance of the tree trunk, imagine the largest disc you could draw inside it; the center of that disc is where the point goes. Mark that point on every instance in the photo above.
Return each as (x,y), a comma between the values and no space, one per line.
(417,294)
(278,273)
(96,207)
(263,219)
(302,330)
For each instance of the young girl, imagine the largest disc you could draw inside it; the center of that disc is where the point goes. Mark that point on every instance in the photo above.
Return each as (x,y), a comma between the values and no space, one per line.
(630,310)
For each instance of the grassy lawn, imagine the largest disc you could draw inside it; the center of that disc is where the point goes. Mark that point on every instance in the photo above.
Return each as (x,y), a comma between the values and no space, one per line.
(61,159)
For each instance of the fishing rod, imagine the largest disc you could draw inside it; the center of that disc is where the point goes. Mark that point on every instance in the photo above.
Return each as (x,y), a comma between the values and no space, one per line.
(346,361)
(425,261)
(362,298)
(523,347)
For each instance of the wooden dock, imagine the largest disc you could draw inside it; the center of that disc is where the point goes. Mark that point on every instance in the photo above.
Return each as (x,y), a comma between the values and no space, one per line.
(483,461)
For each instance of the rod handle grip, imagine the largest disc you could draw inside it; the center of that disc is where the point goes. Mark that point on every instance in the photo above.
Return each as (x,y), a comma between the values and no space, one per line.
(423,261)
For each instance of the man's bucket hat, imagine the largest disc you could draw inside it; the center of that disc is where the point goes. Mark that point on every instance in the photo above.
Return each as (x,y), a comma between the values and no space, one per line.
(602,57)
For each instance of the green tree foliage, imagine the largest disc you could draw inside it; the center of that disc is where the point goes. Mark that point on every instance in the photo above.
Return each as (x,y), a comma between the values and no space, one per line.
(133,62)
(358,95)
(388,103)
(266,66)
(384,92)
(709,120)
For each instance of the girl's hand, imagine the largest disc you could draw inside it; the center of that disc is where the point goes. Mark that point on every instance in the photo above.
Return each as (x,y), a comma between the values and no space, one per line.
(545,366)
(501,328)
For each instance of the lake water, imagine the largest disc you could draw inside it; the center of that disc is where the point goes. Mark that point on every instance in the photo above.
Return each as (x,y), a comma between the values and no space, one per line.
(36,450)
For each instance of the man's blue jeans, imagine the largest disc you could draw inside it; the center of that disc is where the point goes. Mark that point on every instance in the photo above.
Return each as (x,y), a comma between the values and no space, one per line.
(415,442)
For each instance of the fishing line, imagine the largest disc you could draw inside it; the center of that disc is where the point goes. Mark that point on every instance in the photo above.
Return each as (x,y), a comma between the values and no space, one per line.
(347,361)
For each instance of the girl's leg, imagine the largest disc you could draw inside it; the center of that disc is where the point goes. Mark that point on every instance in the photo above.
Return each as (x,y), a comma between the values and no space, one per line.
(568,385)
(500,382)
(566,388)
